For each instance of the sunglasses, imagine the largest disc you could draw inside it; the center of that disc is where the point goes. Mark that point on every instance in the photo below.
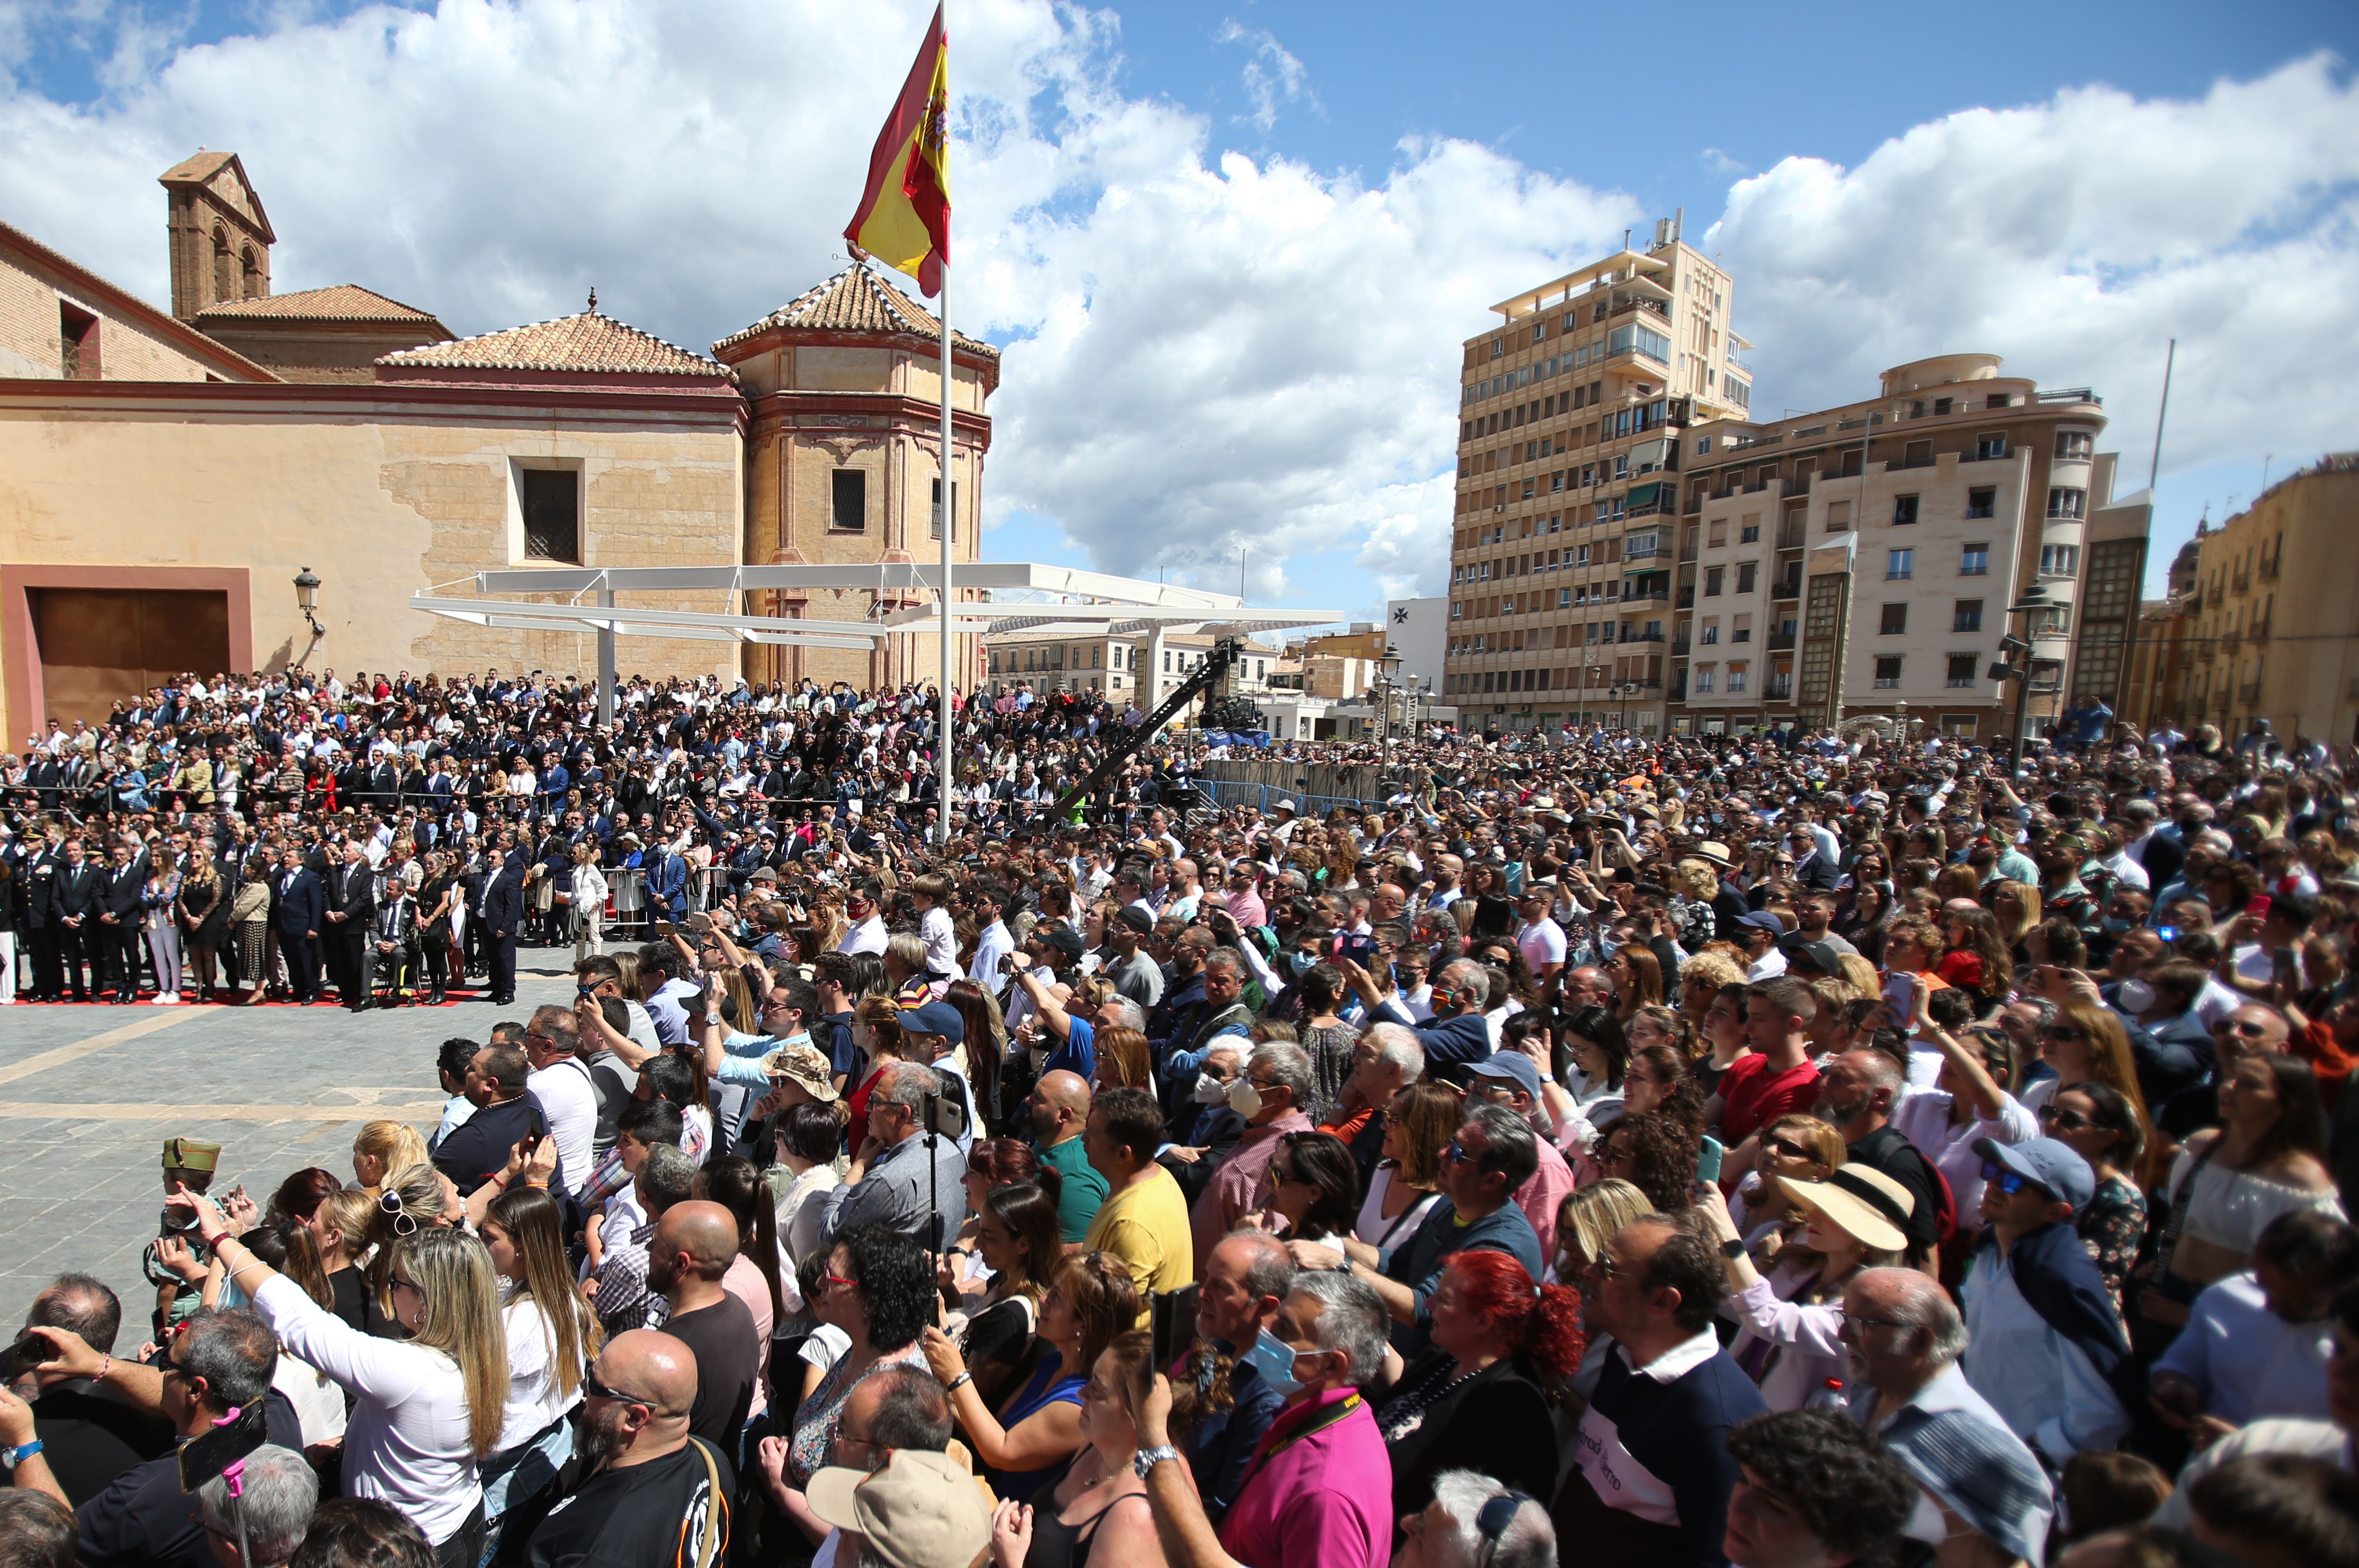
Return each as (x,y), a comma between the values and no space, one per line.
(2060,1031)
(2067,1121)
(593,1388)
(404,1223)
(2009,1181)
(2244,1026)
(1789,1151)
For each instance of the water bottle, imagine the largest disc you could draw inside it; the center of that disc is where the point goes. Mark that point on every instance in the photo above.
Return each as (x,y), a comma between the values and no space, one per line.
(1828,1396)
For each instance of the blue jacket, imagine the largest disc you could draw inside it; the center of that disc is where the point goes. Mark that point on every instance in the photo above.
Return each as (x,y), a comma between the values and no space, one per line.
(297,906)
(1418,1263)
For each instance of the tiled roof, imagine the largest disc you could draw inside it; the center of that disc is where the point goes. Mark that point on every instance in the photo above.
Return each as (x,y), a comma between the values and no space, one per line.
(589,341)
(199,167)
(857,300)
(339,302)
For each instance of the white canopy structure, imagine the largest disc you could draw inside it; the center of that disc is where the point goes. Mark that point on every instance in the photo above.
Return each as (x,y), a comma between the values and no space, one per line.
(1027,597)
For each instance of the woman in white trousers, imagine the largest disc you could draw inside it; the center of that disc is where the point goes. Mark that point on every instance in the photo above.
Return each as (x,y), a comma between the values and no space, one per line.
(589,903)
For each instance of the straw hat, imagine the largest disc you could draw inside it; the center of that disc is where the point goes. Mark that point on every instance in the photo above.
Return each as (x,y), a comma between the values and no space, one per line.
(1863,1202)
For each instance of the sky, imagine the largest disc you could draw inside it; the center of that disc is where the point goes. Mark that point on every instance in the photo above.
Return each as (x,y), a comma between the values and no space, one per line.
(1231,250)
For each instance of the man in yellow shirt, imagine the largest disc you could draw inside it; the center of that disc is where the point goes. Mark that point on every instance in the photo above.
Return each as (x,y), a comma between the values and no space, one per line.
(1144,1220)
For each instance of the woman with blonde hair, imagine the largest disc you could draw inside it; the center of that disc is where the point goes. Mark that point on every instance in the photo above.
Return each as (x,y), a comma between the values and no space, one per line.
(1794,1148)
(1123,1062)
(2015,907)
(1589,1218)
(427,1410)
(384,1147)
(1701,979)
(589,901)
(1694,884)
(552,1335)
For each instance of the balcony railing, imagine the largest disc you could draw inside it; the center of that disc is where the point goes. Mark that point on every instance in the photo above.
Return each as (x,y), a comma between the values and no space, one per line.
(1780,690)
(2249,693)
(1780,642)
(2265,569)
(1785,591)
(1630,635)
(1695,501)
(1686,596)
(1798,485)
(2231,639)
(2069,394)
(2244,582)
(1632,593)
(1679,647)
(1790,538)
(1687,552)
(1679,690)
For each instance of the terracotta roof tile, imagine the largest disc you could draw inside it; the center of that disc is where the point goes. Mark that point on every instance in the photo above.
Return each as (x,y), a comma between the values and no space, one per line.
(857,300)
(589,341)
(339,302)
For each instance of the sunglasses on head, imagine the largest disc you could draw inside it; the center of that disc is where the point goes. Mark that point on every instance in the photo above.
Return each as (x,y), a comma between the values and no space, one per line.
(403,1222)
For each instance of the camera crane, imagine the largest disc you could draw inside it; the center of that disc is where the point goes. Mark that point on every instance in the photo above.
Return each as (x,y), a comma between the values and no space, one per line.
(1203,679)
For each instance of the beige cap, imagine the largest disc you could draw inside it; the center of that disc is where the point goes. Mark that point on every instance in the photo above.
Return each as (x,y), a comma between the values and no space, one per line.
(804,1064)
(921,1510)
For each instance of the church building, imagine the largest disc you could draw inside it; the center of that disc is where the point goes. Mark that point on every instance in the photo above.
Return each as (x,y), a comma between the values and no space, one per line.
(166,475)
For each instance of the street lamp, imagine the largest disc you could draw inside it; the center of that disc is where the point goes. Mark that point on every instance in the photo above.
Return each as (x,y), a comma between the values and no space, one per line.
(2034,601)
(1625,691)
(1387,681)
(307,599)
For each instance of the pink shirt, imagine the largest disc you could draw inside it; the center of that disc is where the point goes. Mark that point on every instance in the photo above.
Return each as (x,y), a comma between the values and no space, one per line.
(1540,1197)
(1235,1187)
(744,1281)
(1320,1493)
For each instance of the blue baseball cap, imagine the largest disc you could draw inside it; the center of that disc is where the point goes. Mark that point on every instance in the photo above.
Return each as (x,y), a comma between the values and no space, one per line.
(935,1018)
(1513,1066)
(2053,1163)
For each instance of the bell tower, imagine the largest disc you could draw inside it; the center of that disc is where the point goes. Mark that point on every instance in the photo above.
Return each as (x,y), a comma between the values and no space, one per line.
(218,234)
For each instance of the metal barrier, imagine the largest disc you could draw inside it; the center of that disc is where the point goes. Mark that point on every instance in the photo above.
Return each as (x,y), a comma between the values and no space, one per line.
(1228,791)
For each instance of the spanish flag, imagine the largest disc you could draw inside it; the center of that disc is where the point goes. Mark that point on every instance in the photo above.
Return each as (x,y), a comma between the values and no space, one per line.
(904,219)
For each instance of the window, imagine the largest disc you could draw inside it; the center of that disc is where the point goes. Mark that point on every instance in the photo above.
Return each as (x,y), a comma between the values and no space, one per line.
(2060,560)
(850,514)
(1887,674)
(1917,455)
(1989,446)
(1740,628)
(1968,616)
(1719,532)
(1745,576)
(2075,445)
(1944,405)
(1959,726)
(1737,673)
(1899,565)
(1712,582)
(1703,445)
(1837,516)
(1895,623)
(1711,632)
(1904,511)
(2066,501)
(1981,502)
(1998,400)
(1962,670)
(1752,532)
(935,500)
(552,514)
(1974,560)
(77,343)
(1703,676)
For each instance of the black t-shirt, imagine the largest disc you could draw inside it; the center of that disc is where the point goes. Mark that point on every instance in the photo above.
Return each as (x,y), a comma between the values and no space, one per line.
(1887,1151)
(648,1516)
(727,1351)
(88,1439)
(145,1520)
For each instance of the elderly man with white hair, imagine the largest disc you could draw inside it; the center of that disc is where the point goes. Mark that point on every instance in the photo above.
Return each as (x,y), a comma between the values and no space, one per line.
(1475,1521)
(1905,1337)
(277,1489)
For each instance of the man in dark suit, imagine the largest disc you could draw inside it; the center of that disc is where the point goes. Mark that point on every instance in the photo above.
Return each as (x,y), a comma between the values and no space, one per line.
(296,905)
(40,870)
(393,939)
(74,896)
(117,924)
(347,902)
(503,917)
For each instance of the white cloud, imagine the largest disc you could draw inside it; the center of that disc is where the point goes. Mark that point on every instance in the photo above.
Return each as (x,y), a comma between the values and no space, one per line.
(1206,351)
(1272,75)
(2075,237)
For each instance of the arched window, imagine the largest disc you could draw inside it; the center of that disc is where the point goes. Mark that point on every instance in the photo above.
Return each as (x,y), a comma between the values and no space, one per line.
(253,270)
(224,268)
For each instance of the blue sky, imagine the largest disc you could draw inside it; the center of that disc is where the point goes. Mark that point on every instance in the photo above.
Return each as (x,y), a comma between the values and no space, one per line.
(1425,159)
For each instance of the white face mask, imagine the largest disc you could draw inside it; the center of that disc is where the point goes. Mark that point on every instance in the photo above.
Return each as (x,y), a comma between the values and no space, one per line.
(1243,1099)
(2135,995)
(1211,1090)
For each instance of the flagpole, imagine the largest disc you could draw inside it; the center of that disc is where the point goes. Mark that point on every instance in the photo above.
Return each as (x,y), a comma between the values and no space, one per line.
(949,517)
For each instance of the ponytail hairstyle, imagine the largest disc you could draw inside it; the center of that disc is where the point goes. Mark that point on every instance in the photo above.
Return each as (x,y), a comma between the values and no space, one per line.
(1540,1323)
(286,1246)
(535,1229)
(410,1202)
(348,1214)
(736,1184)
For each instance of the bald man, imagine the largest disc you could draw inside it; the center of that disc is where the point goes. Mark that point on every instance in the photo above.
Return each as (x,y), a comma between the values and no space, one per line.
(649,1488)
(693,1245)
(1060,1108)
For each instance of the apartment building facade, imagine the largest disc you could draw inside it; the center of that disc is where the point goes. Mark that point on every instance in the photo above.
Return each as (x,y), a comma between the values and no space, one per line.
(2260,623)
(1572,415)
(1861,559)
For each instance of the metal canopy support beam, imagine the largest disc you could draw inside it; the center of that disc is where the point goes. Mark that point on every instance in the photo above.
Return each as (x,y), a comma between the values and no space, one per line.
(1001,577)
(606,662)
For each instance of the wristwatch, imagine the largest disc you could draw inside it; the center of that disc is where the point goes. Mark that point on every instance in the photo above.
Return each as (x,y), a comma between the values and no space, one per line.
(11,1456)
(1149,1458)
(1733,1249)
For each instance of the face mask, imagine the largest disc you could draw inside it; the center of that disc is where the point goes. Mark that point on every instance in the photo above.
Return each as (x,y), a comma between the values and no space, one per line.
(1274,1360)
(1211,1090)
(1244,1099)
(2135,995)
(2116,926)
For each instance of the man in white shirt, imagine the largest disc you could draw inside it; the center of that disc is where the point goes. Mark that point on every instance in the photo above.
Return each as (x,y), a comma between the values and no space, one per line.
(1539,938)
(1759,931)
(561,1085)
(2256,1343)
(988,904)
(866,933)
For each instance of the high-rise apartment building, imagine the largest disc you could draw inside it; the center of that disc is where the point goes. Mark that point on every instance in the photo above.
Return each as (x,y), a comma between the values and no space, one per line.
(1863,559)
(1571,412)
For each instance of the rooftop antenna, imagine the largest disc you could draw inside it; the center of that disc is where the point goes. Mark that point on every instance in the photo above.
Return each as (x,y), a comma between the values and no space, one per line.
(593,299)
(1241,571)
(2265,472)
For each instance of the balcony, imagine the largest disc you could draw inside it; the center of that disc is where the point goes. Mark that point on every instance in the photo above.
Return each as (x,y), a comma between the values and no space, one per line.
(1797,485)
(2249,693)
(1686,596)
(2265,569)
(1695,503)
(1789,537)
(2231,641)
(1753,488)
(1679,647)
(1687,552)
(2069,394)
(1629,635)
(1785,591)
(1780,688)
(2244,582)
(1679,690)
(1782,641)
(1632,593)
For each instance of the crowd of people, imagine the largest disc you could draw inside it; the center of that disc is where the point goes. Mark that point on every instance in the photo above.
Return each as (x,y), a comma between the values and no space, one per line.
(1779,1151)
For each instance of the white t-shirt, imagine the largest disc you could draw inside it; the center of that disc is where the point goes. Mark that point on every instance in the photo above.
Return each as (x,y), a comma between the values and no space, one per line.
(572,1105)
(1542,943)
(533,1398)
(941,943)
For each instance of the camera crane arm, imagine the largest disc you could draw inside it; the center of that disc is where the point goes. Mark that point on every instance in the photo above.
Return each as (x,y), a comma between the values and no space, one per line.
(1205,676)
